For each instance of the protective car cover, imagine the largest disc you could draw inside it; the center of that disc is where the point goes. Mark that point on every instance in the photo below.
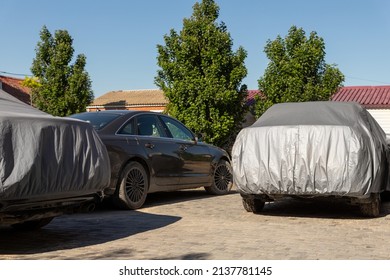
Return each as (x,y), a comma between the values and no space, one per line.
(312,148)
(44,157)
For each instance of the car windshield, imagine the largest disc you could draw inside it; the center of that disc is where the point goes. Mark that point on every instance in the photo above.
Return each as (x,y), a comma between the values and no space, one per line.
(97,120)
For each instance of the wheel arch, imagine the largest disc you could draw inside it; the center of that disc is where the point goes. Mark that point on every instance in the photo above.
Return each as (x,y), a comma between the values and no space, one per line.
(133,159)
(218,155)
(217,160)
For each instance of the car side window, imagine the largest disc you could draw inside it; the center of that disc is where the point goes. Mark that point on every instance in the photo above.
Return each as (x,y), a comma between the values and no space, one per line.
(177,130)
(147,125)
(128,128)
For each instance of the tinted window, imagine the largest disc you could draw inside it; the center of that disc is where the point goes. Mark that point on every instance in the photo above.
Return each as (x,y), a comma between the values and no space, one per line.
(177,130)
(97,120)
(148,125)
(128,128)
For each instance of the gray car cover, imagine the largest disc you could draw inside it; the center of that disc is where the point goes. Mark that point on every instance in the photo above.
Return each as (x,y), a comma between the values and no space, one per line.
(46,157)
(312,148)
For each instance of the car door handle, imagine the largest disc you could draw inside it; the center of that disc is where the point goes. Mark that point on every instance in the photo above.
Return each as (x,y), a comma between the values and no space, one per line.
(149,145)
(183,147)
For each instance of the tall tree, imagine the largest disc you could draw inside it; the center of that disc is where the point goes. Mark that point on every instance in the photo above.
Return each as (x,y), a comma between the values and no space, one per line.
(63,88)
(297,71)
(201,75)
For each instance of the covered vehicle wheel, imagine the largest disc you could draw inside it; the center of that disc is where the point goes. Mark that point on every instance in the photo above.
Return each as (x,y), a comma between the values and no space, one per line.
(371,209)
(223,179)
(33,224)
(252,204)
(133,188)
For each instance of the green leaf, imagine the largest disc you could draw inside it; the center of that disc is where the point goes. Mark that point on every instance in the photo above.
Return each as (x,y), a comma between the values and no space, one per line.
(297,71)
(63,88)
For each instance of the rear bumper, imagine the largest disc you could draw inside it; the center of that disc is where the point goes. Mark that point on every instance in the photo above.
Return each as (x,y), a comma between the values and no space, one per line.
(12,212)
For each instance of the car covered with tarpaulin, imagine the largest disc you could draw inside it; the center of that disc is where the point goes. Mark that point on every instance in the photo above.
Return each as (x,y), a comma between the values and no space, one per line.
(312,149)
(48,165)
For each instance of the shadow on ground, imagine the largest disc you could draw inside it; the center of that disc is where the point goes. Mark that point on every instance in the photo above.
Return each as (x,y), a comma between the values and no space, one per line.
(318,208)
(105,224)
(80,230)
(192,256)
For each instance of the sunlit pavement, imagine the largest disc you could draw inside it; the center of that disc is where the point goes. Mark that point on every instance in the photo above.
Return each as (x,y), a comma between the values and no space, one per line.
(194,225)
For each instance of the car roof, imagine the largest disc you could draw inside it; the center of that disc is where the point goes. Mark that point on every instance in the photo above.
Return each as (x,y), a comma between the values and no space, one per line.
(116,112)
(117,122)
(119,112)
(313,113)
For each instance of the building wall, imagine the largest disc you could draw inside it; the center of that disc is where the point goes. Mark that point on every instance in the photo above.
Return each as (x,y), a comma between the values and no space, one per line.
(382,116)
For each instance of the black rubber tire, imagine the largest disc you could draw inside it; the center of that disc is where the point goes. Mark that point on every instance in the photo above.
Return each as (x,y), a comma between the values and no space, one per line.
(385,196)
(253,205)
(222,180)
(373,208)
(133,187)
(33,224)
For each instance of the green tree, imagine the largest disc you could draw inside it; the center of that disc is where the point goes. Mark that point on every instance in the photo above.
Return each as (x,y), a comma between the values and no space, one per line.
(297,71)
(62,88)
(201,76)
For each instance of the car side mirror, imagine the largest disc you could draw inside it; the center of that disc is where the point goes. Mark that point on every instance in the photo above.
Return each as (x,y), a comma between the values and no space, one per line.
(198,137)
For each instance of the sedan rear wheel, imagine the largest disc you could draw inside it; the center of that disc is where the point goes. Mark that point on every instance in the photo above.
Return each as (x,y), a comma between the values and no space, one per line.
(223,179)
(133,188)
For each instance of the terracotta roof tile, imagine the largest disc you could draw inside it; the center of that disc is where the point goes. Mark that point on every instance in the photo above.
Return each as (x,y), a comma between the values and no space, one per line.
(252,93)
(368,96)
(13,86)
(131,97)
(146,97)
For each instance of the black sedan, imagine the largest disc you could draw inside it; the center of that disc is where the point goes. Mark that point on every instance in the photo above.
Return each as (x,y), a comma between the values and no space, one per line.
(152,152)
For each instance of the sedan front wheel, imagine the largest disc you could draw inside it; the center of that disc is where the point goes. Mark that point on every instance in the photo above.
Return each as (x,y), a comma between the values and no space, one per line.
(223,179)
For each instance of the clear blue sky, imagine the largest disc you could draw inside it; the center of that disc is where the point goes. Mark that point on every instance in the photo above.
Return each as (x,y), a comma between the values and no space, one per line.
(119,37)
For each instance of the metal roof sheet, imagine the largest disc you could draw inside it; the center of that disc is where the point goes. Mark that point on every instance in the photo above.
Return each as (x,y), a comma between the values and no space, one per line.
(375,97)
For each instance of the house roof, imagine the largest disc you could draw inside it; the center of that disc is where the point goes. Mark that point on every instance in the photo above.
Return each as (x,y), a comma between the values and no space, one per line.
(370,97)
(252,93)
(131,97)
(145,97)
(14,87)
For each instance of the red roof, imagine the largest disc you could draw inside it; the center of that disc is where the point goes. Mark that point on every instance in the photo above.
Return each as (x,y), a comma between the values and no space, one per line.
(370,97)
(13,86)
(252,93)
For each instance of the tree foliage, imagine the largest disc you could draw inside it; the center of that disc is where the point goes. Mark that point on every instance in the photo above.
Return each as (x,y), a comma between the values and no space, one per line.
(31,82)
(297,71)
(62,88)
(201,75)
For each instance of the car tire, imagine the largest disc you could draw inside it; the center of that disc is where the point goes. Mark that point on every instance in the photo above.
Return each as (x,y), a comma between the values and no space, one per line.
(385,196)
(133,187)
(222,179)
(252,204)
(33,224)
(371,209)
